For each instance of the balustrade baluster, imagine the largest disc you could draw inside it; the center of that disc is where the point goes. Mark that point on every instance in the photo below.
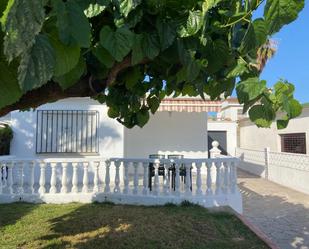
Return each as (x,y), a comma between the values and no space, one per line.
(145,179)
(42,189)
(177,179)
(53,189)
(209,180)
(126,166)
(75,178)
(188,178)
(198,178)
(85,177)
(107,177)
(64,179)
(31,180)
(135,181)
(166,182)
(226,177)
(218,177)
(20,168)
(96,166)
(10,177)
(156,187)
(117,177)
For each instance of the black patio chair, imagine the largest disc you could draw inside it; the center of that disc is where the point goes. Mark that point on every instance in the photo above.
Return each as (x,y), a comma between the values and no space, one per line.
(182,171)
(152,169)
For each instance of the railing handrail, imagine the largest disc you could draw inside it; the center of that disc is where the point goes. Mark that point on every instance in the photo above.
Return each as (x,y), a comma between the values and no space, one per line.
(4,159)
(182,160)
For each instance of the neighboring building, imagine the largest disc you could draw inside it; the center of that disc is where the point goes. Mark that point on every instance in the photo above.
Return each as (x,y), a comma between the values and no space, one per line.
(293,139)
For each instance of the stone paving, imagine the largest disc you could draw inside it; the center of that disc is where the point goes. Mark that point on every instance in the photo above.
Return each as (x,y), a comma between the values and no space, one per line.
(280,212)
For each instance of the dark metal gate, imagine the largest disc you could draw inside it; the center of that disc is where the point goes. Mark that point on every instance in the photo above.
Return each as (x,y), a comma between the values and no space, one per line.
(67,131)
(219,136)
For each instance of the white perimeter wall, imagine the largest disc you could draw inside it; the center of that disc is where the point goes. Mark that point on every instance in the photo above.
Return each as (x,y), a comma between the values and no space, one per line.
(169,133)
(231,133)
(252,137)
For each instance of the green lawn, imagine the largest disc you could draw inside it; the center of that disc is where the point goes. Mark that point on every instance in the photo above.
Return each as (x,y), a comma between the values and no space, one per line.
(117,226)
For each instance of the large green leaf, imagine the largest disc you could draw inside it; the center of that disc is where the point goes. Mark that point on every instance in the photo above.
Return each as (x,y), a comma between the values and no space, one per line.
(150,45)
(137,51)
(248,43)
(118,43)
(69,79)
(37,65)
(73,25)
(21,22)
(66,56)
(250,89)
(94,9)
(104,56)
(167,33)
(193,25)
(10,91)
(278,13)
(126,6)
(260,31)
(142,117)
(261,115)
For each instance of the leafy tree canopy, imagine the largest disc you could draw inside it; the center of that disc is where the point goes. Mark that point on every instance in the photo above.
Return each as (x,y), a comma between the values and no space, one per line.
(53,49)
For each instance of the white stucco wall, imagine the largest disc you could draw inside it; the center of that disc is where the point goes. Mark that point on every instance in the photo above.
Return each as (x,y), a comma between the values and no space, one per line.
(169,133)
(231,133)
(24,127)
(252,137)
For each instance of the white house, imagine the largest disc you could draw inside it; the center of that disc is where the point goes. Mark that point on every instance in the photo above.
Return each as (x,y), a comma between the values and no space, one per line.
(81,127)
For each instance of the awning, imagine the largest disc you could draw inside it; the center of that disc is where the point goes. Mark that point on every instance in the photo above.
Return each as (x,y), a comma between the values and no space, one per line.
(189,105)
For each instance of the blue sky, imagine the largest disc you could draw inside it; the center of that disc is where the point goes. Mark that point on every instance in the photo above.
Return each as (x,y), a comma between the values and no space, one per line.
(291,61)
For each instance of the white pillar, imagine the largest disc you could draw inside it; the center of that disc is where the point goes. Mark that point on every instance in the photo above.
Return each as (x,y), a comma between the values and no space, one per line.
(10,177)
(42,189)
(74,178)
(166,179)
(21,180)
(209,180)
(214,152)
(53,189)
(135,181)
(177,179)
(188,178)
(85,178)
(145,179)
(156,187)
(126,166)
(218,179)
(64,181)
(107,177)
(95,166)
(198,178)
(117,177)
(31,180)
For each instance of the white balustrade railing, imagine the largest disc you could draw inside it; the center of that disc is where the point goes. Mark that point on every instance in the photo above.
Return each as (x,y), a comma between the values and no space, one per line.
(65,179)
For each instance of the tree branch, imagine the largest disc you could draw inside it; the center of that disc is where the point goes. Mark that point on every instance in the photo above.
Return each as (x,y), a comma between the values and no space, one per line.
(51,91)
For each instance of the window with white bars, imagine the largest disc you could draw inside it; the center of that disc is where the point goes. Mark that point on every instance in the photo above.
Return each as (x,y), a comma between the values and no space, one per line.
(293,143)
(67,131)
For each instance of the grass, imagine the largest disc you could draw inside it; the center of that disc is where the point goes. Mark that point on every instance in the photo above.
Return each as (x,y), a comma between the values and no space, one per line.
(111,226)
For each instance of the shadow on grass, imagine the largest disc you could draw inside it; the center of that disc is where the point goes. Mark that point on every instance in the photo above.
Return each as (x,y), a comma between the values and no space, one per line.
(11,213)
(115,226)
